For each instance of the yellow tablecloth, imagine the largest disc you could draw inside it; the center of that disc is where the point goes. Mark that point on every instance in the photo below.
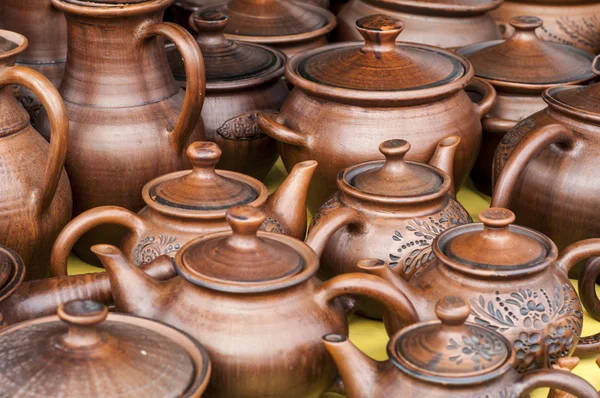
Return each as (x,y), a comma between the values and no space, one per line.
(369,335)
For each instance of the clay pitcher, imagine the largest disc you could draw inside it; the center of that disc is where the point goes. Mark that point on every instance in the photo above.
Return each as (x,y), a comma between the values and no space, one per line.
(36,197)
(130,122)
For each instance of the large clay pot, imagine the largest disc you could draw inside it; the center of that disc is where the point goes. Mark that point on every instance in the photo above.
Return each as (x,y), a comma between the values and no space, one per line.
(572,22)
(441,23)
(46,30)
(36,197)
(350,97)
(129,120)
(520,69)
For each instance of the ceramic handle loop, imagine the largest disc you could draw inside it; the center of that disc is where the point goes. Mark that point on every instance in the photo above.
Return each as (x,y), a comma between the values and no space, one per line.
(559,379)
(488,94)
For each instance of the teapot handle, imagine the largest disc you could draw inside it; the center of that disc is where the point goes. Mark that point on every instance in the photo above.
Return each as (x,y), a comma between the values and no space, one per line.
(530,146)
(195,78)
(281,133)
(487,92)
(59,128)
(85,222)
(559,379)
(589,345)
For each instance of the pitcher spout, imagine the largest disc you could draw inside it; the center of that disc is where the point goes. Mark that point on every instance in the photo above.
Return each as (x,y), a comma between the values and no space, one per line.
(443,157)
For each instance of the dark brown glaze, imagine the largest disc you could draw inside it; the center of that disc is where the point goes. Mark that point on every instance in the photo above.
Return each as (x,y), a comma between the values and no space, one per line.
(520,69)
(251,299)
(441,23)
(112,354)
(392,209)
(443,358)
(130,122)
(185,205)
(589,298)
(36,197)
(358,106)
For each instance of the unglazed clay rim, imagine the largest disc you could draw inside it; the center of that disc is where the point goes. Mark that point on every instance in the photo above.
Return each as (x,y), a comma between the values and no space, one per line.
(14,37)
(104,10)
(257,186)
(305,253)
(437,9)
(555,103)
(17,274)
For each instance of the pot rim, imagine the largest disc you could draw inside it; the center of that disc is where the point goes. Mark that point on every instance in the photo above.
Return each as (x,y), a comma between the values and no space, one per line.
(438,9)
(107,10)
(17,38)
(562,107)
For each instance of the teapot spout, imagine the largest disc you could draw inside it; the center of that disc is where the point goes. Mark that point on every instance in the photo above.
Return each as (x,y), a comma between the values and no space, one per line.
(443,157)
(287,204)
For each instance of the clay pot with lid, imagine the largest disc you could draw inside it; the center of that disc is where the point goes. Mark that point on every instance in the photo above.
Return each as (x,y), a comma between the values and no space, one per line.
(241,79)
(187,204)
(520,69)
(446,356)
(391,209)
(252,300)
(515,281)
(350,97)
(441,23)
(111,355)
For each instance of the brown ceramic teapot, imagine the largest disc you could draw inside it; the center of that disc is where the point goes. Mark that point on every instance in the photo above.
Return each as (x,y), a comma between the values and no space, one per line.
(251,299)
(445,357)
(36,197)
(520,69)
(441,23)
(129,121)
(87,352)
(394,210)
(187,204)
(350,97)
(513,278)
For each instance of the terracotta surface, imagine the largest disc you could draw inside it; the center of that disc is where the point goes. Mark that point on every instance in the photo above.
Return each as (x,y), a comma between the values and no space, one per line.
(129,121)
(441,23)
(390,209)
(36,197)
(445,357)
(343,106)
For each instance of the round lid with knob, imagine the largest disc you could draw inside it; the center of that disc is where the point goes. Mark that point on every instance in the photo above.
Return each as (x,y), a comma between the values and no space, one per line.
(87,352)
(524,59)
(442,7)
(451,350)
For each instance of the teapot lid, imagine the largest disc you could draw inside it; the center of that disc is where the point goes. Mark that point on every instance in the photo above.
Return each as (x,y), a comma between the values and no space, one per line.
(204,189)
(87,352)
(525,59)
(12,272)
(245,260)
(451,350)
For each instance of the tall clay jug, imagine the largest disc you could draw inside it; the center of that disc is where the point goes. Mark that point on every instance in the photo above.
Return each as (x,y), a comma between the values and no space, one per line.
(129,121)
(35,203)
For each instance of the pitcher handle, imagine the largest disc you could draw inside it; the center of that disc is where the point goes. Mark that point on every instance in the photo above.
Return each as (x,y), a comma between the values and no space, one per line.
(85,222)
(488,94)
(195,78)
(59,129)
(559,379)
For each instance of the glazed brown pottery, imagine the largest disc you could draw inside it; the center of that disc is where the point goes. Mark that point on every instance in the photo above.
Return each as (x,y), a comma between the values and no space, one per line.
(251,299)
(290,26)
(187,204)
(350,97)
(587,287)
(443,358)
(36,197)
(572,22)
(441,23)
(46,30)
(129,120)
(513,278)
(520,69)
(395,208)
(548,163)
(87,352)
(241,79)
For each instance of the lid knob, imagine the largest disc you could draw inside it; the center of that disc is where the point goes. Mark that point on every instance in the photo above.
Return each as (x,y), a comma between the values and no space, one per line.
(245,221)
(380,32)
(526,22)
(210,25)
(452,310)
(204,157)
(82,316)
(394,152)
(495,223)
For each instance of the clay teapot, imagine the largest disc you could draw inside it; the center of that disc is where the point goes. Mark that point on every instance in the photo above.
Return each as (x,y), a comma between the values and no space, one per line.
(87,352)
(513,278)
(187,204)
(129,121)
(289,26)
(394,210)
(47,50)
(251,299)
(441,23)
(350,97)
(445,357)
(36,196)
(241,79)
(520,69)
(544,167)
